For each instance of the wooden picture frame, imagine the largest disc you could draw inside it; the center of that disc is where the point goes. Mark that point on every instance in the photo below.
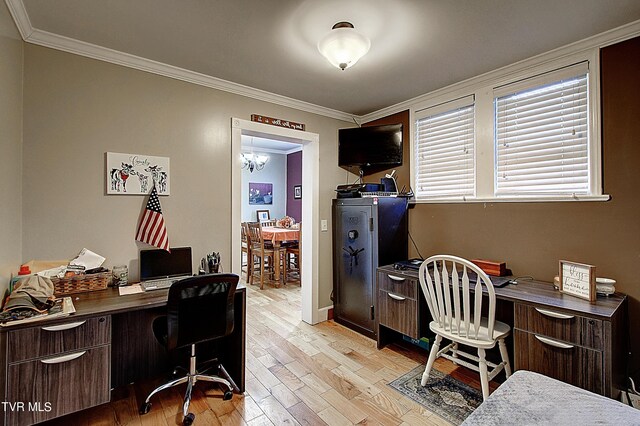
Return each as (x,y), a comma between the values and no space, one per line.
(263,215)
(297,192)
(578,279)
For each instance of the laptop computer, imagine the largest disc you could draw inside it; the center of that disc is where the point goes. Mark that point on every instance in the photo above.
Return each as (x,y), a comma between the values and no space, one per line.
(159,268)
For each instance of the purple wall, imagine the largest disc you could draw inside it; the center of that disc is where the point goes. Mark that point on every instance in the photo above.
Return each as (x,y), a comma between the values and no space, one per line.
(294,177)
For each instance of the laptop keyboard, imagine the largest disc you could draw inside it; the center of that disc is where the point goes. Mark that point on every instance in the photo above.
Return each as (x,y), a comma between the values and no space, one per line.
(160,283)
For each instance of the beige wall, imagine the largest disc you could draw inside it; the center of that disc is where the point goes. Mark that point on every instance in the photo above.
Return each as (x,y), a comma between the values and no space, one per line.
(533,237)
(76,109)
(10,148)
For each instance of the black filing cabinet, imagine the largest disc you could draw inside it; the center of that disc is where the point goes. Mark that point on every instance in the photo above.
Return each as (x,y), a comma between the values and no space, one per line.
(368,232)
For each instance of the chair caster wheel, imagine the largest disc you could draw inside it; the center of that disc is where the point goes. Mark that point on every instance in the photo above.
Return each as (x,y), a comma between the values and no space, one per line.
(145,408)
(227,395)
(188,419)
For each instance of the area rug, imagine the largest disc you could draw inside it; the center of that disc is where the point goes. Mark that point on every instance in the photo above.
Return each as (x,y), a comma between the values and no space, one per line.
(447,397)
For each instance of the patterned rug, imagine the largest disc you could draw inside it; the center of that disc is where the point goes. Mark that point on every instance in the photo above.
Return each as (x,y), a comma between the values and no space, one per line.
(447,397)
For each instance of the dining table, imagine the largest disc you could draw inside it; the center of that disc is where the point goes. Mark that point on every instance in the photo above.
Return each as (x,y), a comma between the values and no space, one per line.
(277,235)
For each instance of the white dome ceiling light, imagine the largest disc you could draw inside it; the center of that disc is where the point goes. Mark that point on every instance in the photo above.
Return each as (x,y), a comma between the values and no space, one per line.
(343,45)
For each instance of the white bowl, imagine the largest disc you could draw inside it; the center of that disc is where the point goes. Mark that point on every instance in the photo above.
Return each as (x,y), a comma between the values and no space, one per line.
(605,286)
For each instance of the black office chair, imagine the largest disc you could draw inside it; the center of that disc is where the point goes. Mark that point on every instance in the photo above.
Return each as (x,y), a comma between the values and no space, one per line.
(199,309)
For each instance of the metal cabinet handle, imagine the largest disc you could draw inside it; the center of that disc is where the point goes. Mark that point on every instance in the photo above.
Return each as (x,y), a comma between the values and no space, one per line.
(66,326)
(396,297)
(552,342)
(554,314)
(395,278)
(63,358)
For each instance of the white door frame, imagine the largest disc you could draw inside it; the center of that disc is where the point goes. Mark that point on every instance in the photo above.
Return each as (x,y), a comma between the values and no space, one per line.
(310,204)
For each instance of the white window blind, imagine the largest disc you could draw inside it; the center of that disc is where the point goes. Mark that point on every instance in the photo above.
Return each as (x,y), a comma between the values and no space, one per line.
(445,162)
(542,135)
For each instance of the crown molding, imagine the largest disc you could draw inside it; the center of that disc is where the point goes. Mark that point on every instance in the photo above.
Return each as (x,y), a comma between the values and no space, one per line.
(606,38)
(249,148)
(66,44)
(20,17)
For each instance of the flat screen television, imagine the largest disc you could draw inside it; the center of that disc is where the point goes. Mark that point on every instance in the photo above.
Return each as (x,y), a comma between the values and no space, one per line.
(370,148)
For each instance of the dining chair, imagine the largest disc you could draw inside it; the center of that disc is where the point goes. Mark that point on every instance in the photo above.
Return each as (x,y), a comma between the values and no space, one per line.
(456,305)
(262,251)
(271,222)
(293,255)
(246,252)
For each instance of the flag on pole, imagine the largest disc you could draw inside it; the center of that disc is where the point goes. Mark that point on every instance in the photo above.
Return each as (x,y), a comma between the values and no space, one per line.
(152,229)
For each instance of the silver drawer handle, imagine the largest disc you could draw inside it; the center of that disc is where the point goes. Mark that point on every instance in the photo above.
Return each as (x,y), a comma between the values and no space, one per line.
(395,278)
(63,358)
(552,342)
(66,326)
(396,297)
(554,314)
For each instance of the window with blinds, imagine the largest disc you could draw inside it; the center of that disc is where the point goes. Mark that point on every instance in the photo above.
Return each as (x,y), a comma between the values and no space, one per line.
(542,135)
(444,150)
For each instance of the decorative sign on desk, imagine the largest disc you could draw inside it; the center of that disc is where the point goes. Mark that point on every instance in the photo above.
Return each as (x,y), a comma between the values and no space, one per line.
(578,279)
(277,122)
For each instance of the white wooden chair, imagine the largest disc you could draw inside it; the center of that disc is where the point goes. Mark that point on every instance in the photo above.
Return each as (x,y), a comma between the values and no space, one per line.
(449,296)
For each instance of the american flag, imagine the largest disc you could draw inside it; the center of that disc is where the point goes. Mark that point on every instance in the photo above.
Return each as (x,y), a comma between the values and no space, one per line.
(152,229)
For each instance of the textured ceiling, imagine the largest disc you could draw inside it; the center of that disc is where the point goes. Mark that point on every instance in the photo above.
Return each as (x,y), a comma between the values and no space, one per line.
(417,46)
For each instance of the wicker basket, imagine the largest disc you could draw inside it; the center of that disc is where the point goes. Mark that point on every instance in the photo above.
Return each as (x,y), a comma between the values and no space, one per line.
(81,283)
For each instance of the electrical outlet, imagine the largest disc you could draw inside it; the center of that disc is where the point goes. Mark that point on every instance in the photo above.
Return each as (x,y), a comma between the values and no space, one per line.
(324,227)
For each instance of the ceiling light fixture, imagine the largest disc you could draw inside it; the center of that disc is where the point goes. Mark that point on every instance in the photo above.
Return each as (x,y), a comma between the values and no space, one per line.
(253,162)
(343,45)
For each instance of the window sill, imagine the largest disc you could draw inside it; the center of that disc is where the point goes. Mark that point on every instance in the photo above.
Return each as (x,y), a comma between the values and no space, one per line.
(514,199)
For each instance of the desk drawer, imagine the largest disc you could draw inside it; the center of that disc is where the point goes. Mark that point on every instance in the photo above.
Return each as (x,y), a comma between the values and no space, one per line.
(54,386)
(398,284)
(572,364)
(45,340)
(398,313)
(559,325)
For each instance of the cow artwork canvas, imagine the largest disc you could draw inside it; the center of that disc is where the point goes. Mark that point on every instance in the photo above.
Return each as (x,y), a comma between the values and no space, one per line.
(135,174)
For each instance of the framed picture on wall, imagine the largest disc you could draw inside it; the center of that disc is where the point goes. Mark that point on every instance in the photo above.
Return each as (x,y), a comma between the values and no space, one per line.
(260,193)
(297,192)
(263,215)
(136,174)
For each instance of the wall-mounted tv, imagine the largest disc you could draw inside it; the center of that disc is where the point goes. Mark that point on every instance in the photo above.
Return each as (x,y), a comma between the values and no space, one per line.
(370,148)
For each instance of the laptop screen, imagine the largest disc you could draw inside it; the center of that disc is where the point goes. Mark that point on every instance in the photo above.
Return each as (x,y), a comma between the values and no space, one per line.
(161,264)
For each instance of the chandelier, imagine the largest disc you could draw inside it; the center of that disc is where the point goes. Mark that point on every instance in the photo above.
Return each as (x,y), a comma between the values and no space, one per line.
(253,162)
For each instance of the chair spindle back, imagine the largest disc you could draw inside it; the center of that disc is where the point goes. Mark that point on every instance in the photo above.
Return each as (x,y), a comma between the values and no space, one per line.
(445,284)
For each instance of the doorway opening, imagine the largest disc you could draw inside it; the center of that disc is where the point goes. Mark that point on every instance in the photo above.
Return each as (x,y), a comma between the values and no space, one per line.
(271,174)
(310,204)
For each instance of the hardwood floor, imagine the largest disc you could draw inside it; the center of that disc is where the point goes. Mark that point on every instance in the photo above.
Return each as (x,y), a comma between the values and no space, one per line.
(296,374)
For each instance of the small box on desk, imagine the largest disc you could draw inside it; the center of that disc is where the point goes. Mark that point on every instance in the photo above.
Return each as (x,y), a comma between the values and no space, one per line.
(498,269)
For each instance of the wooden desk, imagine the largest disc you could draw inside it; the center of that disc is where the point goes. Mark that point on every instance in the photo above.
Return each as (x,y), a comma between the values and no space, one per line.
(277,236)
(554,334)
(111,336)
